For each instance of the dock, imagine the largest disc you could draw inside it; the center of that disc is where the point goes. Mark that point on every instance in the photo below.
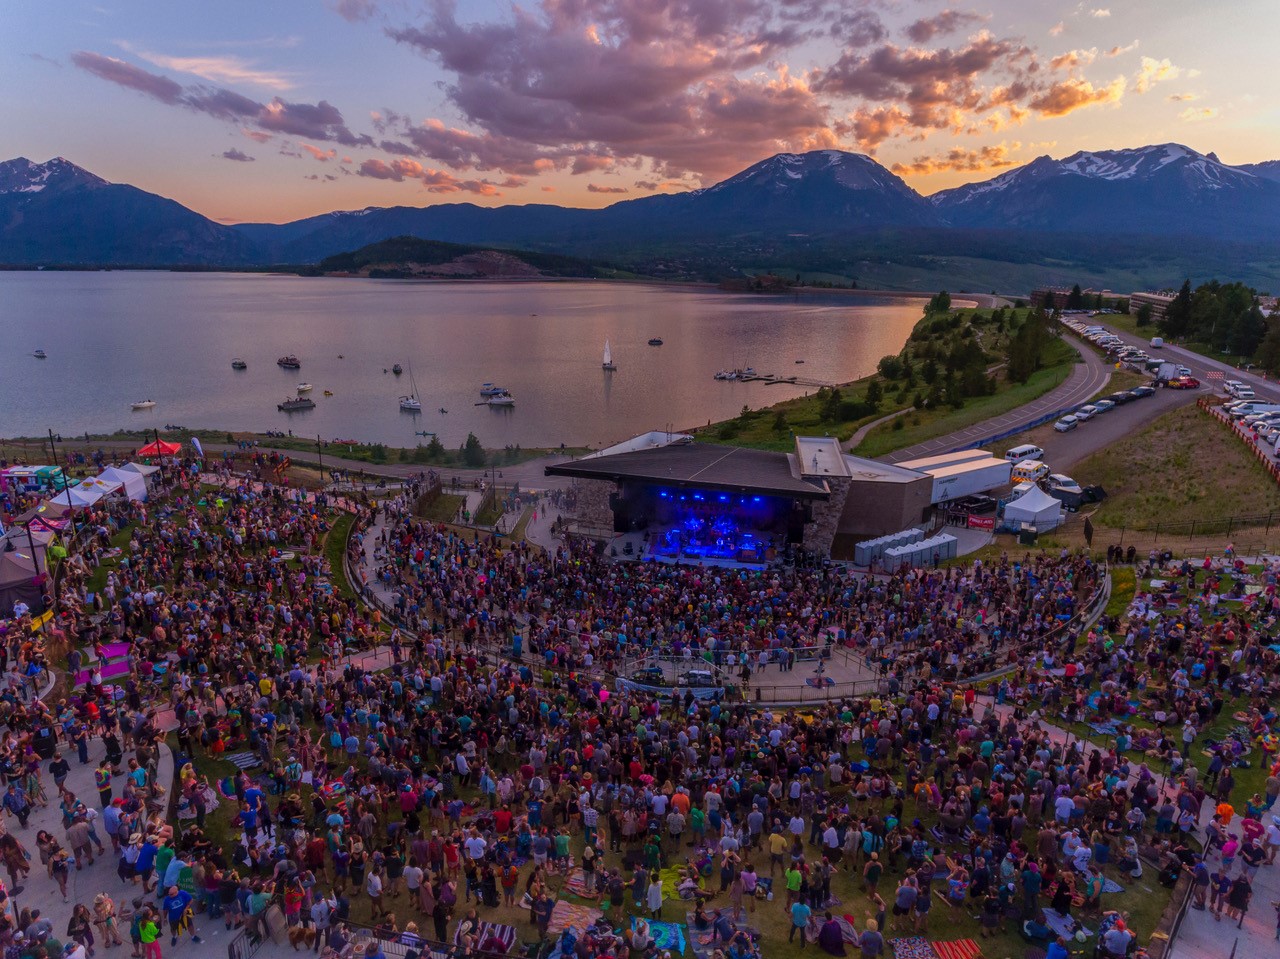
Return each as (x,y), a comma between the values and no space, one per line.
(789,380)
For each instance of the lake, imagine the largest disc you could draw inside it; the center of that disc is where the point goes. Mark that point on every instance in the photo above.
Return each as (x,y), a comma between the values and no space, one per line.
(120,337)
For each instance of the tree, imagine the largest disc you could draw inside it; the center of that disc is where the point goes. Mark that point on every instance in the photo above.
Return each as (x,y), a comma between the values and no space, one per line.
(830,410)
(780,422)
(435,449)
(890,367)
(1268,352)
(472,451)
(1249,331)
(929,372)
(1177,315)
(1143,316)
(1075,299)
(940,302)
(1026,348)
(874,395)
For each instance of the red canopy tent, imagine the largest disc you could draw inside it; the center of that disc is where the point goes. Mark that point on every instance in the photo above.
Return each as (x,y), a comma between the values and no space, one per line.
(160,448)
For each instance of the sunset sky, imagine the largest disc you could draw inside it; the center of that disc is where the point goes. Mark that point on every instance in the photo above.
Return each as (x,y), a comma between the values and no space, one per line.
(279,109)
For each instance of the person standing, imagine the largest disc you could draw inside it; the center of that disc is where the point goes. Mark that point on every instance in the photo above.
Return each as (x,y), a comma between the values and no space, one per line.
(800,913)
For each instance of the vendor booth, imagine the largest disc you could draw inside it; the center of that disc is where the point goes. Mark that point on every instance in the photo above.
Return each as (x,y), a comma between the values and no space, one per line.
(160,448)
(134,483)
(19,579)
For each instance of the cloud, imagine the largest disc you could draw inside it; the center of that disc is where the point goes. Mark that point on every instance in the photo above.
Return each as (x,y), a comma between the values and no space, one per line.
(312,121)
(1074,58)
(1182,97)
(596,188)
(1194,114)
(647,184)
(324,156)
(435,181)
(548,189)
(257,136)
(1154,71)
(987,158)
(1057,29)
(872,127)
(41,58)
(354,11)
(1100,13)
(946,21)
(1073,94)
(1118,50)
(226,69)
(239,157)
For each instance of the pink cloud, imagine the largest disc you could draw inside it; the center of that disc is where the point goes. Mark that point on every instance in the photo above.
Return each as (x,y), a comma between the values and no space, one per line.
(597,188)
(237,155)
(324,156)
(1067,96)
(946,21)
(435,181)
(985,158)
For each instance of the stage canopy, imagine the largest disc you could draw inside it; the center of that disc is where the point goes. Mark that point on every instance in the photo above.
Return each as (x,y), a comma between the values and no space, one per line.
(160,448)
(701,466)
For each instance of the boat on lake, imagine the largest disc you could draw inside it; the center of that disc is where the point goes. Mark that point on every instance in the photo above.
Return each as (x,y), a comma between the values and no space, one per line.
(40,355)
(655,341)
(328,392)
(488,389)
(239,364)
(608,365)
(289,362)
(144,404)
(502,399)
(305,387)
(294,403)
(411,403)
(397,369)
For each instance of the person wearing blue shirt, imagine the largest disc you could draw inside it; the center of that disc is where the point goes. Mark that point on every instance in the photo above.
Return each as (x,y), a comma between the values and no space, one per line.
(800,914)
(176,909)
(146,863)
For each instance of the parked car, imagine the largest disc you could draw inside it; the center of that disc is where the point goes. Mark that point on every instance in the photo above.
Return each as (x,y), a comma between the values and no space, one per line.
(1184,371)
(1143,391)
(1060,481)
(1184,383)
(1086,412)
(1066,424)
(1103,406)
(1120,397)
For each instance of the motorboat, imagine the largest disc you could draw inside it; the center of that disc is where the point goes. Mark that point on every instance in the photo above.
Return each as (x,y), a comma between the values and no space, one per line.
(727,375)
(289,362)
(502,399)
(488,389)
(328,392)
(239,364)
(608,365)
(305,387)
(144,404)
(294,403)
(655,341)
(749,371)
(424,433)
(799,361)
(40,355)
(397,369)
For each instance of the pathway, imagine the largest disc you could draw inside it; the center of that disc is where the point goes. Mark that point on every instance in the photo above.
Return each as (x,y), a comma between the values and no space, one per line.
(861,432)
(1087,378)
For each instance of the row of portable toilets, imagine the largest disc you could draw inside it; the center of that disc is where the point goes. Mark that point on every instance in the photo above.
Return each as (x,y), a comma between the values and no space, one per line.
(871,551)
(922,553)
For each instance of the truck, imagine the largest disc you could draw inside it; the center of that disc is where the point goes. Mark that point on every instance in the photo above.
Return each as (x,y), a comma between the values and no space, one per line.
(957,480)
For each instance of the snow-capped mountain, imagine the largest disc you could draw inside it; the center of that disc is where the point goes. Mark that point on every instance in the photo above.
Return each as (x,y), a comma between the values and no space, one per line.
(1167,188)
(1267,169)
(21,175)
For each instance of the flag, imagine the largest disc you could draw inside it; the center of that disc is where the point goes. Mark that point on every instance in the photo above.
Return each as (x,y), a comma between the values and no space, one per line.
(195,441)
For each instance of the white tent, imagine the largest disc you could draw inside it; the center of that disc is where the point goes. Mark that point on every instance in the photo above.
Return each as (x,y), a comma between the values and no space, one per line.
(91,490)
(1036,508)
(142,469)
(135,485)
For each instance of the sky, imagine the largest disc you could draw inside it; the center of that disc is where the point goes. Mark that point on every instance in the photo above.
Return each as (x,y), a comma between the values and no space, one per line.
(274,110)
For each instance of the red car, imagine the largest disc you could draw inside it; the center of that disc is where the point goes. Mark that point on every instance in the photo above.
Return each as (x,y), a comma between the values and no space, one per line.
(1184,383)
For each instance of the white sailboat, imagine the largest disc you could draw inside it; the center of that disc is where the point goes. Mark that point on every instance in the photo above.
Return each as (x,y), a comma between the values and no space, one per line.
(608,364)
(411,403)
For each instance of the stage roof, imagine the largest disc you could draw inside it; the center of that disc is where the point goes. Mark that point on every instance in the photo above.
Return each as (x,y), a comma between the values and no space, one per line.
(729,468)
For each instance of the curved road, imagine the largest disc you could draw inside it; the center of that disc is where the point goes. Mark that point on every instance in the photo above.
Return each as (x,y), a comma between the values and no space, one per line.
(1086,380)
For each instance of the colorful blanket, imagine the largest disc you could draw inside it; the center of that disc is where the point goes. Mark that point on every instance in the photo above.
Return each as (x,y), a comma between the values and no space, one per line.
(958,949)
(576,884)
(700,944)
(667,936)
(565,914)
(489,936)
(912,947)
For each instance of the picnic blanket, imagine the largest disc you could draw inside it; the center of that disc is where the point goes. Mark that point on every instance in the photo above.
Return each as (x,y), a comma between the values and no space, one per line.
(667,936)
(957,949)
(819,681)
(565,914)
(576,884)
(490,937)
(848,931)
(1064,926)
(912,947)
(700,944)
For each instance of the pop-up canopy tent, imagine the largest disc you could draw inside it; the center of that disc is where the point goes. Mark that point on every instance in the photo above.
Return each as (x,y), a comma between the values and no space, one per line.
(19,581)
(135,485)
(1036,508)
(24,539)
(160,448)
(143,469)
(91,490)
(51,511)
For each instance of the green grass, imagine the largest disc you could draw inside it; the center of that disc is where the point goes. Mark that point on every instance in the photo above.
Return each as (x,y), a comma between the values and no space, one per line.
(1123,586)
(929,424)
(121,541)
(1184,467)
(335,548)
(442,509)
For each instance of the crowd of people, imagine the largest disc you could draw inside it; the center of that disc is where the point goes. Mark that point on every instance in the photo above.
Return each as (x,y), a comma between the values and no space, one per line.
(439,785)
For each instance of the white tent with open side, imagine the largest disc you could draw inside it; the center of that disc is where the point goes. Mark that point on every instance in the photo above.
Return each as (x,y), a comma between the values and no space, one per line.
(1036,508)
(91,490)
(134,483)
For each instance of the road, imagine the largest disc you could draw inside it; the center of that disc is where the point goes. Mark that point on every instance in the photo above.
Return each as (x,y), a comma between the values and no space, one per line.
(1087,378)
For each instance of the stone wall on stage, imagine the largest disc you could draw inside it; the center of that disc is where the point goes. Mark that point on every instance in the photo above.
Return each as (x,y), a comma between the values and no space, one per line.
(820,531)
(592,507)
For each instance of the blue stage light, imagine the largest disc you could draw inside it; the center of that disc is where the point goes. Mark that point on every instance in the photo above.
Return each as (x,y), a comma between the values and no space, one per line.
(723,498)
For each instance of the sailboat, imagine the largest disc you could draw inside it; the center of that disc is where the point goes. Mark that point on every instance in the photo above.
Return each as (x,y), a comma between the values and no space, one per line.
(608,365)
(411,403)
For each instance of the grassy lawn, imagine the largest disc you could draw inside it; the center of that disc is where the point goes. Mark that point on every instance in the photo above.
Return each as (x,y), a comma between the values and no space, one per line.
(1123,587)
(1185,466)
(335,547)
(442,509)
(120,541)
(927,424)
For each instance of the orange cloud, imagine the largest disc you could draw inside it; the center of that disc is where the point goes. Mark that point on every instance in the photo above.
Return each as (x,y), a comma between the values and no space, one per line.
(324,156)
(596,188)
(1154,71)
(987,158)
(1074,58)
(1073,94)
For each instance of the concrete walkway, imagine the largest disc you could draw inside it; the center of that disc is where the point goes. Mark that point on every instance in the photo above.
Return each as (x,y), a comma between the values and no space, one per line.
(1086,379)
(861,432)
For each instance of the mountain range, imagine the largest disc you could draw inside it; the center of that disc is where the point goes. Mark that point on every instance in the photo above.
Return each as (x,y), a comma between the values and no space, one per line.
(830,212)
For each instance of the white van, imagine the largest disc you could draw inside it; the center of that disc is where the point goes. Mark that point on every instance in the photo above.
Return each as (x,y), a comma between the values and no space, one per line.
(1024,452)
(1157,343)
(1029,471)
